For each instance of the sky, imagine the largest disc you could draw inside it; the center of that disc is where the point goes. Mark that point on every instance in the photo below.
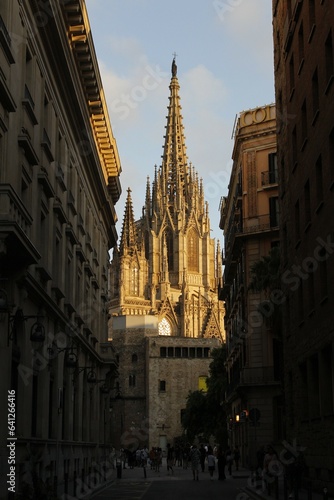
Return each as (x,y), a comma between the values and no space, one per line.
(225,65)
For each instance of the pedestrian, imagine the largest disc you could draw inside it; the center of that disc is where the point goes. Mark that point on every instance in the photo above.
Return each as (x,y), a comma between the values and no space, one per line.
(170,458)
(270,463)
(203,456)
(186,455)
(211,462)
(293,470)
(221,459)
(195,458)
(236,454)
(229,460)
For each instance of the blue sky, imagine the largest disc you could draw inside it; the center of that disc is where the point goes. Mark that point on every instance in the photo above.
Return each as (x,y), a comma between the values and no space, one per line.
(225,65)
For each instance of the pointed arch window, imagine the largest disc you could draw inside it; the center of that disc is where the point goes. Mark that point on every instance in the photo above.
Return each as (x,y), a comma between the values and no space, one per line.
(134,280)
(147,245)
(193,254)
(165,327)
(170,248)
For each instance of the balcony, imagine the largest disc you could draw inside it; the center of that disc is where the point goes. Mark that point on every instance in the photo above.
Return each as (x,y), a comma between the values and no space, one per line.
(262,375)
(6,42)
(46,145)
(25,143)
(15,230)
(269,178)
(6,97)
(250,377)
(29,105)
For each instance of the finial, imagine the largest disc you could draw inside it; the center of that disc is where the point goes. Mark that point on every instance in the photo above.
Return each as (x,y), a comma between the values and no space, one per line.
(174,67)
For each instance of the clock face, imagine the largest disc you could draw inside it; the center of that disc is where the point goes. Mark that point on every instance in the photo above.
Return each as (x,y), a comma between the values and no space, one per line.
(164,327)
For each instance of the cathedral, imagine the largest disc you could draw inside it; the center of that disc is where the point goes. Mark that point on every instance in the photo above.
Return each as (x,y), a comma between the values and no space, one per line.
(165,317)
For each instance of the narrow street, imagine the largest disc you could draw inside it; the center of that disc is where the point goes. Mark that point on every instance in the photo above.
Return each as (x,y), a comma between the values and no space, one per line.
(159,485)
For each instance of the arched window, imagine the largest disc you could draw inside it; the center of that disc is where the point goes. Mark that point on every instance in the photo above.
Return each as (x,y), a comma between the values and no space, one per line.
(193,256)
(165,327)
(134,280)
(147,245)
(170,252)
(134,358)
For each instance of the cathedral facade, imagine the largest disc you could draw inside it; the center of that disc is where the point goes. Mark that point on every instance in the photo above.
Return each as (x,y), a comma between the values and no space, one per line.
(164,309)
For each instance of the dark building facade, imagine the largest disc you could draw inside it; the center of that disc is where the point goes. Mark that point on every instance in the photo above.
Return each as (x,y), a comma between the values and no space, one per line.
(304,79)
(59,183)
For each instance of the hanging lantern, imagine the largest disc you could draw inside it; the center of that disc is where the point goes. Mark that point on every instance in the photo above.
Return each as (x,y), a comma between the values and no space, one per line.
(37,332)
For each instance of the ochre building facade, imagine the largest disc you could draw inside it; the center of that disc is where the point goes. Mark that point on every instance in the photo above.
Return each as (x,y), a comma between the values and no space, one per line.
(250,220)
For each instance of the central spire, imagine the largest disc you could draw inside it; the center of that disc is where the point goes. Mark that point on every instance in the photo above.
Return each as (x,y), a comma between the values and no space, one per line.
(174,159)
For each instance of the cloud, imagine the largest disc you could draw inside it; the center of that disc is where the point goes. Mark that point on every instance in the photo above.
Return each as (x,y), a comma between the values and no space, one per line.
(248,26)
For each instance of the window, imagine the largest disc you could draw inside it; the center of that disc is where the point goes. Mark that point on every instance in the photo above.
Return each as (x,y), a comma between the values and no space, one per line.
(294,147)
(311,11)
(202,386)
(132,380)
(292,75)
(304,123)
(310,281)
(323,274)
(170,249)
(314,387)
(303,392)
(134,358)
(301,46)
(297,221)
(307,203)
(34,405)
(162,385)
(273,211)
(301,301)
(329,59)
(326,381)
(164,327)
(315,94)
(319,181)
(331,155)
(50,420)
(134,280)
(193,257)
(272,161)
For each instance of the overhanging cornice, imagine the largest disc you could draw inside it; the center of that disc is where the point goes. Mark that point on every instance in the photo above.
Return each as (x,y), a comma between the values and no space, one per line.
(81,42)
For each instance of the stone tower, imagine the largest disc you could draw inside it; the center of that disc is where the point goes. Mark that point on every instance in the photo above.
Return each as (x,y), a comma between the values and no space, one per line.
(165,314)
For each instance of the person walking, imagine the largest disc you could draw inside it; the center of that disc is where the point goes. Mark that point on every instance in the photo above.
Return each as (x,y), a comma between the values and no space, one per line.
(229,460)
(195,458)
(269,467)
(221,463)
(203,456)
(236,454)
(211,463)
(170,458)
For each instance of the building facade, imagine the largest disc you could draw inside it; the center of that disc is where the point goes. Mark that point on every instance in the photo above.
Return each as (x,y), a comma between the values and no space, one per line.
(59,182)
(250,221)
(165,315)
(304,81)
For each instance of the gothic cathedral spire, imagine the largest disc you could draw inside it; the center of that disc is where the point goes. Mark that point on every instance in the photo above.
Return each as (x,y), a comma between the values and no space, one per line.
(167,262)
